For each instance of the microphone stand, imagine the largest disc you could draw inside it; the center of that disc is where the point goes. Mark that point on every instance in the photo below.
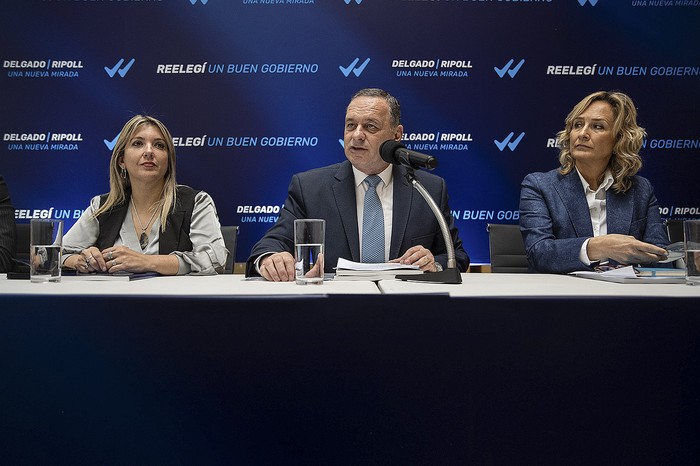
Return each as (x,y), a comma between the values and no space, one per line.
(451,274)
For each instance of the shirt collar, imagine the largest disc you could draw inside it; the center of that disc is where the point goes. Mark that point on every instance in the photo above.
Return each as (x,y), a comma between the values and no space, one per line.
(608,181)
(386,175)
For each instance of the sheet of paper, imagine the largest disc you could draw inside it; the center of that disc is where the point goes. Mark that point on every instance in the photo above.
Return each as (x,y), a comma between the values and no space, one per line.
(350,265)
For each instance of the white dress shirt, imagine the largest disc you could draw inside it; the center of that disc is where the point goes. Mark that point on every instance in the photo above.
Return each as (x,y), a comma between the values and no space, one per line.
(385,191)
(597,210)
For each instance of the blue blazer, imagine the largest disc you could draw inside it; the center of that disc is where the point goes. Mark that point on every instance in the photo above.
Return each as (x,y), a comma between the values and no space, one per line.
(555,220)
(329,193)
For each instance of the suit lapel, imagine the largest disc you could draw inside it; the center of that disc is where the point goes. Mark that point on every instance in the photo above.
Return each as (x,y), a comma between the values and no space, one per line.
(403,196)
(573,198)
(619,211)
(344,194)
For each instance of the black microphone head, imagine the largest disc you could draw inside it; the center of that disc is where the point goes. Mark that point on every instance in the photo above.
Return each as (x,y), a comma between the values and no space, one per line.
(388,150)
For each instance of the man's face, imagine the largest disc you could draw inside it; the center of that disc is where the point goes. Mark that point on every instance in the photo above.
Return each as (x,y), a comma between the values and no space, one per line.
(367,126)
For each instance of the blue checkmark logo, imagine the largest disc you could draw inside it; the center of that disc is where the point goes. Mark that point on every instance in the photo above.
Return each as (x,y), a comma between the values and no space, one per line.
(111,72)
(353,68)
(110,144)
(506,142)
(501,72)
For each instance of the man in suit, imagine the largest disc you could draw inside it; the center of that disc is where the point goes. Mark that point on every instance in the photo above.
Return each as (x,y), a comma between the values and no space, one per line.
(594,208)
(336,193)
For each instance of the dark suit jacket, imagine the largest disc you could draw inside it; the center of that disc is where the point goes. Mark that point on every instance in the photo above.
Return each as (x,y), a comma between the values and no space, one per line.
(555,220)
(7,228)
(329,193)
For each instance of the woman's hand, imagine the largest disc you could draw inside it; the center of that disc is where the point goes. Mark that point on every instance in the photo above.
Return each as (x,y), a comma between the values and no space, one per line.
(624,249)
(123,259)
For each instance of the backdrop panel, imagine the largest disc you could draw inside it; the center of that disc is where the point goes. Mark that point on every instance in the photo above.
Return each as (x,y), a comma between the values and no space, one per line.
(254,91)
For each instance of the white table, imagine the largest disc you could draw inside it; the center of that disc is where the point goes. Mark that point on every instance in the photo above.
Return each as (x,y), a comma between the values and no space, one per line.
(529,285)
(210,285)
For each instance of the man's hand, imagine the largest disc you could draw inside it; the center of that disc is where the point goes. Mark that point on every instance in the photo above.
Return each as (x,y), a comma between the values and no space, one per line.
(278,267)
(419,256)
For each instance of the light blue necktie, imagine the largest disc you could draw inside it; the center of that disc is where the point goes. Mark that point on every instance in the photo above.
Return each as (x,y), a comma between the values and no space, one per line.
(372,223)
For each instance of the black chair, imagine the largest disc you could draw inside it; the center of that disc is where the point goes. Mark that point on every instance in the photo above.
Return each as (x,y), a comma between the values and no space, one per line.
(506,249)
(230,234)
(674,228)
(22,243)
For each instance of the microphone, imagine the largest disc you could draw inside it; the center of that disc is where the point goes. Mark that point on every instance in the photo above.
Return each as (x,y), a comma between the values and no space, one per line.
(396,153)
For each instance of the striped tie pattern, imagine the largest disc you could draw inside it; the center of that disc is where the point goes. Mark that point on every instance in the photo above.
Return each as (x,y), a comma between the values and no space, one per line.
(372,223)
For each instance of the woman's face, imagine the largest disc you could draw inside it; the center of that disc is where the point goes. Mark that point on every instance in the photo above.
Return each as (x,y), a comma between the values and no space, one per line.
(592,139)
(146,155)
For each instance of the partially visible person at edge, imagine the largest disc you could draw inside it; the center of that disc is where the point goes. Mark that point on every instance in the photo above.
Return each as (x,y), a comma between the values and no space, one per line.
(336,193)
(8,234)
(147,222)
(594,209)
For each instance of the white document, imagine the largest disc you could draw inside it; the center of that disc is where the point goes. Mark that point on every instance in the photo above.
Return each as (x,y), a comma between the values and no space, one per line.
(349,270)
(350,265)
(625,275)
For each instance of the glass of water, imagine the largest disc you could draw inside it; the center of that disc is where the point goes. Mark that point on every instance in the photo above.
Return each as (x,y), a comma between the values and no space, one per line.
(45,246)
(309,241)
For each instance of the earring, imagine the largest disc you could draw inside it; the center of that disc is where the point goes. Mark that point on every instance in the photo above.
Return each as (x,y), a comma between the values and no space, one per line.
(123,173)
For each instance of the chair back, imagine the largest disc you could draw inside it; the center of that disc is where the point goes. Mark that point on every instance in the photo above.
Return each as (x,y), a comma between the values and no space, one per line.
(506,249)
(674,228)
(230,234)
(22,242)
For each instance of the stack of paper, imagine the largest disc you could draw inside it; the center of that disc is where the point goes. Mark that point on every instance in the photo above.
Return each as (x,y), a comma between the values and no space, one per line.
(349,270)
(629,275)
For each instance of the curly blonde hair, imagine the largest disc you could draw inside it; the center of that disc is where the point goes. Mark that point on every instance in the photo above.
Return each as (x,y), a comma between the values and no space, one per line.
(120,186)
(629,137)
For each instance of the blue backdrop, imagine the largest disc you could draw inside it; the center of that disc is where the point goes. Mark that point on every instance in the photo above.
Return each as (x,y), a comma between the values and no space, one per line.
(254,91)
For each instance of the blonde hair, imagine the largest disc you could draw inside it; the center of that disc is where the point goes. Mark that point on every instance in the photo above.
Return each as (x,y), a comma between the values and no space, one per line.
(120,186)
(625,161)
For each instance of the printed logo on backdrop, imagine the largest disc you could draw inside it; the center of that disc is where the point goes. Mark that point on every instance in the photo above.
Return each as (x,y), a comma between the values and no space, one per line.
(348,2)
(590,2)
(237,68)
(653,144)
(509,69)
(509,142)
(433,68)
(278,2)
(50,141)
(624,70)
(354,68)
(121,68)
(437,141)
(482,3)
(51,212)
(477,214)
(42,68)
(205,140)
(665,3)
(111,143)
(258,213)
(203,2)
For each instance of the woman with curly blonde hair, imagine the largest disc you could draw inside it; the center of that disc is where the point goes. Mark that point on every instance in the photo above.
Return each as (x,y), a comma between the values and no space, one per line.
(594,208)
